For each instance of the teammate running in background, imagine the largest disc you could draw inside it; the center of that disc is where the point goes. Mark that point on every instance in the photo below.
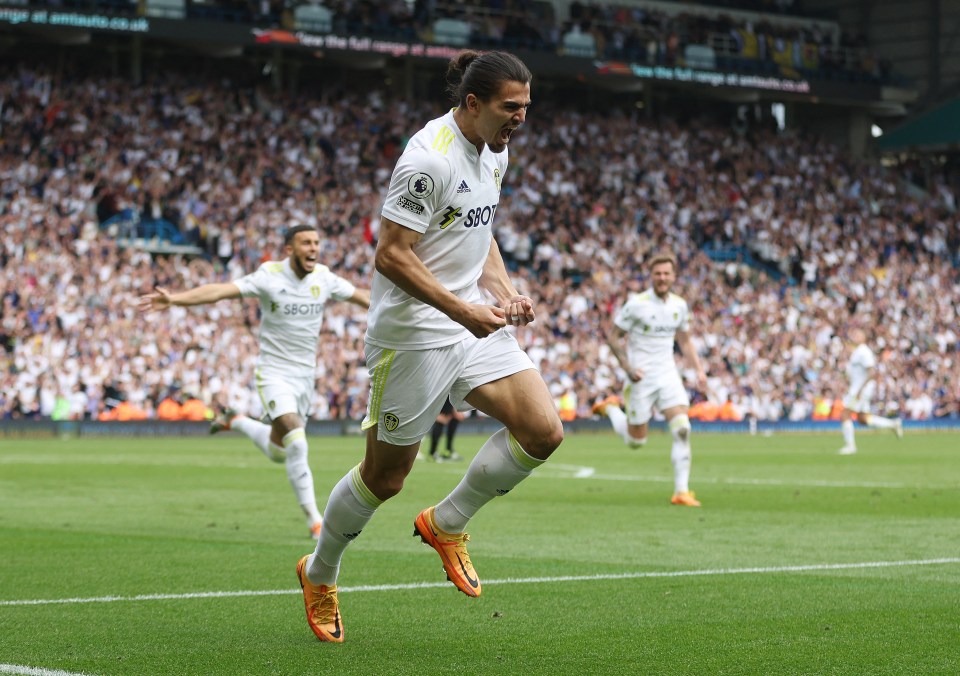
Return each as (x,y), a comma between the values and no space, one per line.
(292,295)
(861,372)
(648,323)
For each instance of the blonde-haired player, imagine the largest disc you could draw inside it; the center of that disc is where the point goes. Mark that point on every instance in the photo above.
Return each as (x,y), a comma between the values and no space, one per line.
(649,323)
(861,373)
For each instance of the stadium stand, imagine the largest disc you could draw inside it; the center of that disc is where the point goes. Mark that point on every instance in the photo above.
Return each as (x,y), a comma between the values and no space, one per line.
(766,40)
(784,242)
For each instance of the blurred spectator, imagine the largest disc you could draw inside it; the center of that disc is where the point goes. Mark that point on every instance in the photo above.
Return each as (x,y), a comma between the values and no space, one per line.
(194,409)
(169,409)
(124,412)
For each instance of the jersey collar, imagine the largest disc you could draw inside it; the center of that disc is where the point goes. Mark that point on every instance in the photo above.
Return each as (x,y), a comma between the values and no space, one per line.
(468,147)
(654,296)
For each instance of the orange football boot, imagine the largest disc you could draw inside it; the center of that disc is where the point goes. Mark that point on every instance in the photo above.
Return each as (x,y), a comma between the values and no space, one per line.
(452,550)
(323,609)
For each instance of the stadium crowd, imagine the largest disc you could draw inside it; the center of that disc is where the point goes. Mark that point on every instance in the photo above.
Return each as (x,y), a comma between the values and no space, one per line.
(589,195)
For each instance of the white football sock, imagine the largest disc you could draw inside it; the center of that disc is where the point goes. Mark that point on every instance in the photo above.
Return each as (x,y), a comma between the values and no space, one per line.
(880,422)
(259,434)
(299,474)
(350,507)
(846,427)
(680,454)
(619,420)
(499,465)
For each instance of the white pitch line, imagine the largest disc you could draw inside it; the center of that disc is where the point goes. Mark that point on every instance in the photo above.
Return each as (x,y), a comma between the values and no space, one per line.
(812,483)
(36,671)
(509,580)
(571,471)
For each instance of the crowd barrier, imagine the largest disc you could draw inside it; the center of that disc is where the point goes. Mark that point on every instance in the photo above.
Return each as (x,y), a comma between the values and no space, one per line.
(49,429)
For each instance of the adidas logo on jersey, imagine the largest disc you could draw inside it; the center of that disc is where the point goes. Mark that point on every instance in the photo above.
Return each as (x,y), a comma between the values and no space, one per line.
(463,187)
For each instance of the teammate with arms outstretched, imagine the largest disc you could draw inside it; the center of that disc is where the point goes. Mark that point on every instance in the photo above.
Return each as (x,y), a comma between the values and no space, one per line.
(292,295)
(432,333)
(649,323)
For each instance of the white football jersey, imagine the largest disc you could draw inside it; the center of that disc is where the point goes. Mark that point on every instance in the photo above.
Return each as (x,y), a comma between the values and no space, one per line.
(862,361)
(443,188)
(291,313)
(652,325)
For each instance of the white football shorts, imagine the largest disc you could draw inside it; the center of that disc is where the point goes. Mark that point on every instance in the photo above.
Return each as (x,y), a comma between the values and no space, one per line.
(282,394)
(661,391)
(409,387)
(860,404)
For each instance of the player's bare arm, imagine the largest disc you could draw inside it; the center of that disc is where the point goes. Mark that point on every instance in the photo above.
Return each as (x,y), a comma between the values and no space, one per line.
(396,260)
(689,350)
(495,279)
(360,297)
(161,298)
(616,340)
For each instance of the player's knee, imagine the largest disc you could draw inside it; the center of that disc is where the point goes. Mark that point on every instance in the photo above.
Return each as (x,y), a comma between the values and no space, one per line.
(385,485)
(553,440)
(285,425)
(680,427)
(295,446)
(541,443)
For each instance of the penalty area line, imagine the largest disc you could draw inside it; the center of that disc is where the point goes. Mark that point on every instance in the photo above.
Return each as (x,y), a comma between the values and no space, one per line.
(520,580)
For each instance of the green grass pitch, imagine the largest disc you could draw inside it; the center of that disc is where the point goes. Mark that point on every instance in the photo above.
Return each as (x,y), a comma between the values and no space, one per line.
(177,556)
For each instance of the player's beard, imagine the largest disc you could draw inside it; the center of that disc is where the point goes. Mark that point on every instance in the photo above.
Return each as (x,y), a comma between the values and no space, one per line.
(299,267)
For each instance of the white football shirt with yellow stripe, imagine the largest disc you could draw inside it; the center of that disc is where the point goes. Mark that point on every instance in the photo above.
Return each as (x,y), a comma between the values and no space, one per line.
(862,386)
(861,363)
(652,324)
(291,312)
(443,188)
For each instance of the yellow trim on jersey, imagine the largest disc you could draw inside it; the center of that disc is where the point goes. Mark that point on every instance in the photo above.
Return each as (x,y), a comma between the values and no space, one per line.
(263,400)
(521,456)
(361,491)
(378,382)
(274,267)
(443,139)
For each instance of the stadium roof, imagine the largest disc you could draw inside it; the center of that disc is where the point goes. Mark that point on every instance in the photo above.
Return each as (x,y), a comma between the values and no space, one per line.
(935,129)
